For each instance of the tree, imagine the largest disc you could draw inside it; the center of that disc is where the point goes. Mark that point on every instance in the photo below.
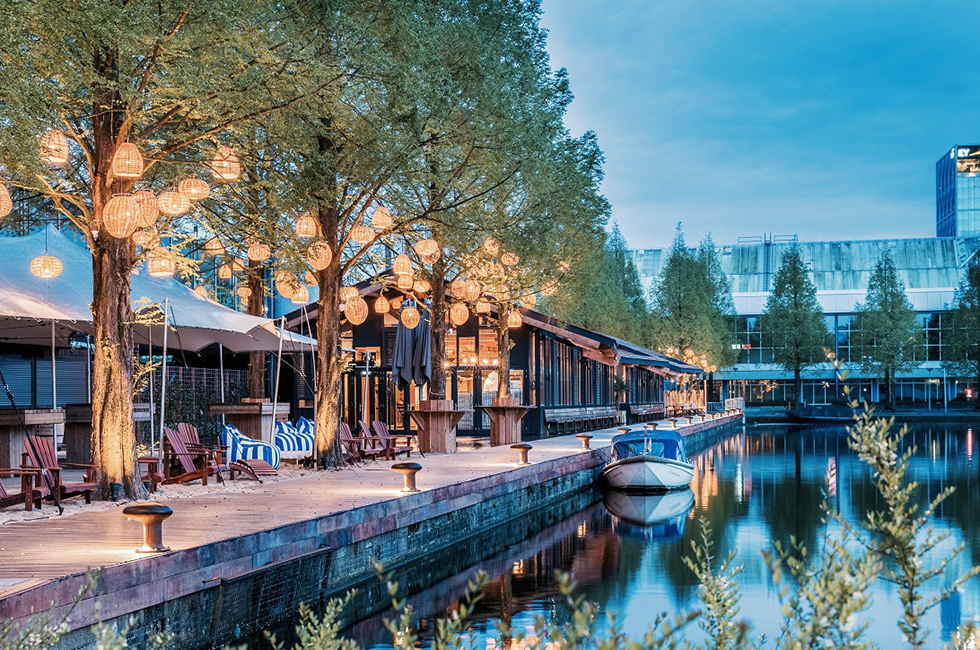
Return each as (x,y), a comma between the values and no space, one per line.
(793,319)
(961,329)
(885,331)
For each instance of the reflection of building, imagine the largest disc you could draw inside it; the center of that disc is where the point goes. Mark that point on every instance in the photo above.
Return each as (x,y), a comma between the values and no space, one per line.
(958,192)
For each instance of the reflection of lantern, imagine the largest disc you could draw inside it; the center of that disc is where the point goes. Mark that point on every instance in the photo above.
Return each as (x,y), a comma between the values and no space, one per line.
(550,289)
(224,272)
(319,255)
(173,203)
(459,313)
(258,252)
(225,166)
(402,265)
(310,279)
(301,297)
(382,218)
(201,290)
(381,305)
(194,188)
(144,236)
(244,292)
(472,291)
(54,148)
(396,304)
(405,282)
(509,259)
(127,162)
(286,284)
(347,293)
(149,208)
(410,317)
(482,306)
(6,205)
(361,234)
(213,246)
(160,264)
(529,301)
(306,226)
(422,286)
(46,266)
(514,319)
(121,216)
(491,246)
(428,250)
(356,310)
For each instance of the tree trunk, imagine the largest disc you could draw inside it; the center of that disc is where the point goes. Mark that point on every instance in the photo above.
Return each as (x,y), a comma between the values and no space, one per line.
(256,307)
(437,384)
(328,367)
(798,383)
(503,352)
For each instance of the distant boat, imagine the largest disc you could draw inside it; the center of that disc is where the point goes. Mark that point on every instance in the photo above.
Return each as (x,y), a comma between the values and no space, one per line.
(648,461)
(813,413)
(650,516)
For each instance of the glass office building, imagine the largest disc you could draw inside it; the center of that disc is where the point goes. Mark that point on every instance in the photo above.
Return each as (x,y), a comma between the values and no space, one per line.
(958,192)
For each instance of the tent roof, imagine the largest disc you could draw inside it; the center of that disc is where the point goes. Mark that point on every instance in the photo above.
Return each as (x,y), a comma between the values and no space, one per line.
(28,304)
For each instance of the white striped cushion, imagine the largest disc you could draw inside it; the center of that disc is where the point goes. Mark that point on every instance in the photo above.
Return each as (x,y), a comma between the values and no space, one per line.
(241,447)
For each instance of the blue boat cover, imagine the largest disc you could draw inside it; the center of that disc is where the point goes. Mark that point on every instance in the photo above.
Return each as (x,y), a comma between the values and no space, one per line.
(666,444)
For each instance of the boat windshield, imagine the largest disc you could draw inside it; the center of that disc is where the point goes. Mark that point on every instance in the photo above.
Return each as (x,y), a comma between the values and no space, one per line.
(633,444)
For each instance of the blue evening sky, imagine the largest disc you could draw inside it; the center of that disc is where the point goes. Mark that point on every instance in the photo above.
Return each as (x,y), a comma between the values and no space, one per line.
(823,118)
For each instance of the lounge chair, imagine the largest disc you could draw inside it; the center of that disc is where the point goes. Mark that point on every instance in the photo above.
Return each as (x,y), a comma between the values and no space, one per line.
(220,452)
(184,462)
(391,443)
(356,448)
(258,455)
(28,495)
(291,443)
(41,456)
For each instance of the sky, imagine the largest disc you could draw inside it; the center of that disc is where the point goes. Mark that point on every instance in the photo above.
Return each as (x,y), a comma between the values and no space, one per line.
(823,119)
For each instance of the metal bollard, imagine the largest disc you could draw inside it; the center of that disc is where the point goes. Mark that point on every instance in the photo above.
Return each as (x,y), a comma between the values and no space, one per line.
(522,449)
(584,437)
(151,515)
(408,470)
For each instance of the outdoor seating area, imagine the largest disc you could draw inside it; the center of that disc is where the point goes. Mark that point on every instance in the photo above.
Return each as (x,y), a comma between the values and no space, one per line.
(646,412)
(574,420)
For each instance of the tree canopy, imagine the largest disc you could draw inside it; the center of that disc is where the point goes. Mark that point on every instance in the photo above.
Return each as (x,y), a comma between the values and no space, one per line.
(961,327)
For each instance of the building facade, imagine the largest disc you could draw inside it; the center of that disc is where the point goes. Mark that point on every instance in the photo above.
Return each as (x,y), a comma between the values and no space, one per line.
(958,192)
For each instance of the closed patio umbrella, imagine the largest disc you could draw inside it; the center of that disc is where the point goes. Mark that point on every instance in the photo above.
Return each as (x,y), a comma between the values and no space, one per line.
(422,354)
(404,355)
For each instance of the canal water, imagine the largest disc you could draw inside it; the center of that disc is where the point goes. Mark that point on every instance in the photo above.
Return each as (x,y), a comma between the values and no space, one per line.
(763,483)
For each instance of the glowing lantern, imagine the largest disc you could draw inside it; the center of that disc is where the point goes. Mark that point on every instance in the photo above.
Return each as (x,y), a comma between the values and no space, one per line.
(225,166)
(457,287)
(356,310)
(382,218)
(491,246)
(173,203)
(243,292)
(46,266)
(529,301)
(286,284)
(214,247)
(410,317)
(381,305)
(514,319)
(482,306)
(403,265)
(347,293)
(201,290)
(459,313)
(428,250)
(550,288)
(224,272)
(6,205)
(422,286)
(472,291)
(160,264)
(361,234)
(194,188)
(310,279)
(306,226)
(396,304)
(149,207)
(509,259)
(301,297)
(258,252)
(237,264)
(563,266)
(127,161)
(502,294)
(54,148)
(319,255)
(405,282)
(144,236)
(121,216)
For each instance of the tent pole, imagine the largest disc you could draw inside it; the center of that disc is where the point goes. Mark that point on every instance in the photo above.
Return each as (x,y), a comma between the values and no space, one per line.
(275,391)
(309,332)
(221,378)
(54,376)
(163,374)
(88,366)
(149,360)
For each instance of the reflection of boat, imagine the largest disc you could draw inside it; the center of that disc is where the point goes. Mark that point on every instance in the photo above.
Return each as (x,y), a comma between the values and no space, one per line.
(814,413)
(648,461)
(651,516)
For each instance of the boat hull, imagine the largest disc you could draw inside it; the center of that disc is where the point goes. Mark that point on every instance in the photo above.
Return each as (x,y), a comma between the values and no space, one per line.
(648,474)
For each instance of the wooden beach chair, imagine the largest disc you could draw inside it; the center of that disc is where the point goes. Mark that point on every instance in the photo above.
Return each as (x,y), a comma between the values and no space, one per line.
(219,452)
(253,457)
(391,443)
(28,495)
(183,463)
(356,448)
(40,454)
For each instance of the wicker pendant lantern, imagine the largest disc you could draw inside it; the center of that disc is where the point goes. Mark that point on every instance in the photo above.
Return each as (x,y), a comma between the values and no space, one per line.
(564,266)
(458,287)
(472,291)
(201,290)
(237,264)
(194,188)
(491,246)
(501,293)
(244,292)
(361,234)
(482,306)
(173,203)
(356,310)
(46,266)
(6,205)
(529,300)
(258,252)
(459,313)
(410,317)
(286,284)
(514,319)
(225,165)
(213,246)
(550,288)
(144,236)
(406,282)
(160,264)
(422,286)
(301,297)
(224,272)
(381,305)
(396,303)
(347,293)
(306,226)
(310,279)
(127,162)
(121,216)
(510,259)
(149,207)
(54,148)
(402,265)
(319,255)
(382,218)
(428,250)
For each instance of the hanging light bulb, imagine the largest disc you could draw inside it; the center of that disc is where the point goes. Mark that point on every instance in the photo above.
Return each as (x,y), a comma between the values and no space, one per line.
(224,272)
(361,234)
(6,205)
(301,297)
(144,237)
(46,266)
(319,255)
(428,250)
(347,293)
(482,306)
(410,317)
(356,310)
(194,188)
(160,264)
(173,203)
(381,305)
(201,290)
(459,313)
(491,246)
(54,148)
(225,165)
(127,162)
(213,246)
(258,252)
(306,226)
(406,282)
(510,259)
(121,216)
(402,265)
(514,319)
(382,218)
(149,207)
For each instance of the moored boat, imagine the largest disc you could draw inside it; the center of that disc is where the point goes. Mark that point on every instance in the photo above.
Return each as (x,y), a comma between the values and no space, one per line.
(821,413)
(648,461)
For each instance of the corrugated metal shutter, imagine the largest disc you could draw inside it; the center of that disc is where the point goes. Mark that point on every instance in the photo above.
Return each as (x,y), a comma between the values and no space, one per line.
(17,371)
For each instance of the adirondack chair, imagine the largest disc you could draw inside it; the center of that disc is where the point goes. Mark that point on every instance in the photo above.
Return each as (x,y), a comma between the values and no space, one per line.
(41,456)
(356,448)
(219,452)
(28,495)
(390,442)
(183,463)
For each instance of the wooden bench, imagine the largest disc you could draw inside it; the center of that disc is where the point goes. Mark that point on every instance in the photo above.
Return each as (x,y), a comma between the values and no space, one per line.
(646,412)
(579,418)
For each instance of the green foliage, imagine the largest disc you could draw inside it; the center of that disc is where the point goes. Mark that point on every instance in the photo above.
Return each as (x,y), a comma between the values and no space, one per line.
(961,327)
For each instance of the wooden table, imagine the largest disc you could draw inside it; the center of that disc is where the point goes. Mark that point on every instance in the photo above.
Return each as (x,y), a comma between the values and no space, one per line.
(39,422)
(436,421)
(254,419)
(505,420)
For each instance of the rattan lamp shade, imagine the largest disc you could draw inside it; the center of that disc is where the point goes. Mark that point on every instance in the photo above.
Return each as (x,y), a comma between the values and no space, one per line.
(428,250)
(144,236)
(410,317)
(402,265)
(201,290)
(306,226)
(514,319)
(213,246)
(422,286)
(173,203)
(491,246)
(127,161)
(6,205)
(194,188)
(529,300)
(243,292)
(286,284)
(382,218)
(258,252)
(459,313)
(361,234)
(381,305)
(302,296)
(510,259)
(54,148)
(406,282)
(149,207)
(472,291)
(160,264)
(225,166)
(347,293)
(319,255)
(482,307)
(550,288)
(310,279)
(224,272)
(46,266)
(121,216)
(356,310)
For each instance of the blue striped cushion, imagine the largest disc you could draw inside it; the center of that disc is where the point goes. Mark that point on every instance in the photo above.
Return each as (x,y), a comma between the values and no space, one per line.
(289,439)
(305,426)
(241,447)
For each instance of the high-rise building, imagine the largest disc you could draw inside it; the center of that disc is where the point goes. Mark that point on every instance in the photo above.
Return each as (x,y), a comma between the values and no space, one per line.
(958,192)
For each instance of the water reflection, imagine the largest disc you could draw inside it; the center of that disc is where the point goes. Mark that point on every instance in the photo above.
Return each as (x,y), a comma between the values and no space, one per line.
(763,484)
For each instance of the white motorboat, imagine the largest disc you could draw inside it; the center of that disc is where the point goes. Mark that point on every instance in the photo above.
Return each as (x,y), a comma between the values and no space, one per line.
(648,461)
